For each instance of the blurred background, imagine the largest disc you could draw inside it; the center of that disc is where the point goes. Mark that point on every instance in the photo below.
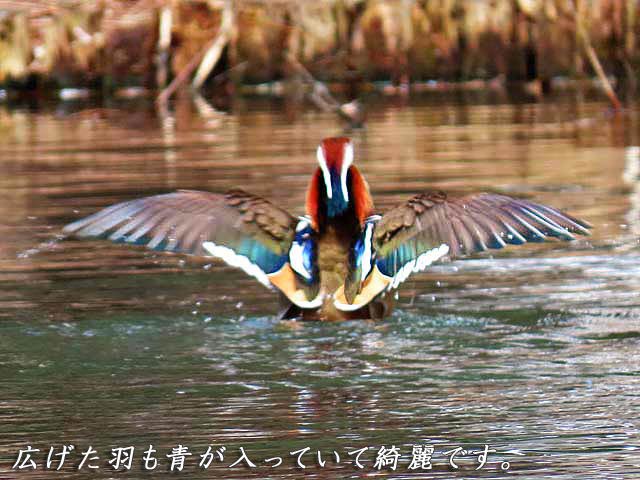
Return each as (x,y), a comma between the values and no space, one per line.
(532,350)
(113,44)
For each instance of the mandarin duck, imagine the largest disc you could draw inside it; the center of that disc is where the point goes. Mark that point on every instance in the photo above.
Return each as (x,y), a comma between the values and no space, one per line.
(341,260)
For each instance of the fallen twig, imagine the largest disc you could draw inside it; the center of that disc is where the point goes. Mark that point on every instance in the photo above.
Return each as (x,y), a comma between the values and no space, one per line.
(181,78)
(213,53)
(203,57)
(321,97)
(164,42)
(606,84)
(585,40)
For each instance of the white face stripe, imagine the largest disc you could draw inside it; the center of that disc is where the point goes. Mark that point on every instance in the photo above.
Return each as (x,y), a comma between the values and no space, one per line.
(233,259)
(325,171)
(347,160)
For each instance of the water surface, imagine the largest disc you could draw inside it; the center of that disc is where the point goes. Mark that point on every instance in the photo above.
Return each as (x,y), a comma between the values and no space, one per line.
(532,351)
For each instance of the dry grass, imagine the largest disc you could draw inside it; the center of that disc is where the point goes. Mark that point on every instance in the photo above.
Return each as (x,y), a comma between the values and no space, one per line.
(116,42)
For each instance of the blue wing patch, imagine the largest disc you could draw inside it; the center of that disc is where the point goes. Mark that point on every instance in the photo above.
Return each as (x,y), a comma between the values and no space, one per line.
(262,256)
(251,256)
(396,259)
(408,258)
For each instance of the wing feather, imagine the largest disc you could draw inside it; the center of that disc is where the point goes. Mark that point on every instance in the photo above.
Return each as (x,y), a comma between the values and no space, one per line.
(184,221)
(465,225)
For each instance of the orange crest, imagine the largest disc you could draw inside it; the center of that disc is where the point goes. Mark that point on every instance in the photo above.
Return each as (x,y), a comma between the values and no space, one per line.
(334,150)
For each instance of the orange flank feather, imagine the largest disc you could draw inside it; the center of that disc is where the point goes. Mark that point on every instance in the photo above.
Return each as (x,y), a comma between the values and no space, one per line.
(362,198)
(313,197)
(286,282)
(374,285)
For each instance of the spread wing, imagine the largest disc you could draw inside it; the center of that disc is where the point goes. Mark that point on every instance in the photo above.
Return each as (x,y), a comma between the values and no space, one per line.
(244,230)
(430,226)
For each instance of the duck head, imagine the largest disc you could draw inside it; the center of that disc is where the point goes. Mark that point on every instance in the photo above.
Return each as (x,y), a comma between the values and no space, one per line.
(337,188)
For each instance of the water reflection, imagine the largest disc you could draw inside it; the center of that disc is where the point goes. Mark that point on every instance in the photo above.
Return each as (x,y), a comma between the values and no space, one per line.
(534,351)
